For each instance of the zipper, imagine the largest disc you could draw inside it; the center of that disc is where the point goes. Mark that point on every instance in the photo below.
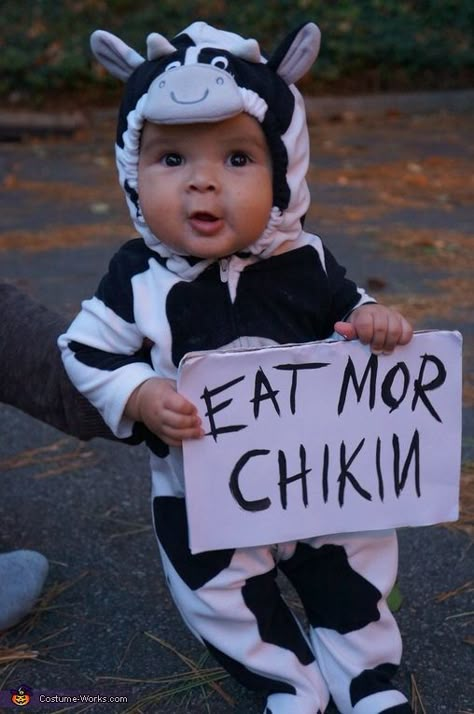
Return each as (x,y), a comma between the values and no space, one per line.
(224,269)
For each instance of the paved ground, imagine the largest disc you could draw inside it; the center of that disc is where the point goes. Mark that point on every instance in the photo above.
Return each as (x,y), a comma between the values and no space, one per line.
(393,198)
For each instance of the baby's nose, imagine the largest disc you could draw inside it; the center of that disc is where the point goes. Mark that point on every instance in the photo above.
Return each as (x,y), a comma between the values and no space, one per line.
(204,178)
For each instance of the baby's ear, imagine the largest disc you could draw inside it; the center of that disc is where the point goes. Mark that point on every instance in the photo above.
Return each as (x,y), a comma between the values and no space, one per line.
(295,55)
(113,54)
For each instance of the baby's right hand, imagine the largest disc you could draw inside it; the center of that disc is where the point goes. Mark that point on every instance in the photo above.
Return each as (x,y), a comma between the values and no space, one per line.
(166,413)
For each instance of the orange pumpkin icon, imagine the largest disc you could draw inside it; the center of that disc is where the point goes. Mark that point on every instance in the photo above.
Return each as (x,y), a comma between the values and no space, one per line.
(21,696)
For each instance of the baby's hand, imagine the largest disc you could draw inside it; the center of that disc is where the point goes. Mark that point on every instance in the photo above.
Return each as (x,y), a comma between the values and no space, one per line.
(378,326)
(166,413)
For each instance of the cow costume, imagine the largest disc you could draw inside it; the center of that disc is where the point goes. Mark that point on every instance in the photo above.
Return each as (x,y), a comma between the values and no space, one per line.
(229,598)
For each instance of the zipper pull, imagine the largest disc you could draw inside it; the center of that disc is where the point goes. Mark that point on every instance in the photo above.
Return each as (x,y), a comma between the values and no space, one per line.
(224,269)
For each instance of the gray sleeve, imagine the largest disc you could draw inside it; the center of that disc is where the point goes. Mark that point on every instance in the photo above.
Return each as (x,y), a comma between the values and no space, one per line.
(32,376)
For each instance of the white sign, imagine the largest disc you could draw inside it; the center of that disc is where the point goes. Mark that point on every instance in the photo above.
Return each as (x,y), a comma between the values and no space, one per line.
(323,437)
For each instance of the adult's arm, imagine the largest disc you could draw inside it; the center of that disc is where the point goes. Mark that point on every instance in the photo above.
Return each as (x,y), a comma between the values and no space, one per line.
(32,376)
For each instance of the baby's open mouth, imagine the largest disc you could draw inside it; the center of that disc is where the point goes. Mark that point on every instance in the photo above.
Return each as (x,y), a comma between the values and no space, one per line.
(205,223)
(204,216)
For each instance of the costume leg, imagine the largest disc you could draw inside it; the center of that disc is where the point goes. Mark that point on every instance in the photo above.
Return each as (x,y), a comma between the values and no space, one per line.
(230,601)
(343,582)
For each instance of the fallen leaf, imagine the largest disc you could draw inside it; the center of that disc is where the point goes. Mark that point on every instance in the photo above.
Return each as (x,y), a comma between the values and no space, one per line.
(395,599)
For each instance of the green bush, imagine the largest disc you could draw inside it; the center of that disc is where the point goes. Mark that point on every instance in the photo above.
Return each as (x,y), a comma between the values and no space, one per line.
(367,44)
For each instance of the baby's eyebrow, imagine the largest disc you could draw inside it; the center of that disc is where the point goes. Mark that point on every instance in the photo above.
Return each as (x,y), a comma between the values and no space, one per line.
(245,140)
(155,142)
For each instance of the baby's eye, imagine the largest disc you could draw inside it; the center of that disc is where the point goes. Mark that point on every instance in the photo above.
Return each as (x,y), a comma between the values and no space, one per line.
(239,158)
(172,159)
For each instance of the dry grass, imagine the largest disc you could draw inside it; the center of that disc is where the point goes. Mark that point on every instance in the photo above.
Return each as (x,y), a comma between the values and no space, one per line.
(54,190)
(47,603)
(18,644)
(465,522)
(178,687)
(66,236)
(437,179)
(415,699)
(467,587)
(16,653)
(61,456)
(435,248)
(125,527)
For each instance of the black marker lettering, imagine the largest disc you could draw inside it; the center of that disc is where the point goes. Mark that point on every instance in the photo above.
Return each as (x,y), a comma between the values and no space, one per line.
(346,475)
(285,480)
(213,409)
(387,384)
(421,389)
(350,374)
(260,504)
(413,452)
(379,468)
(325,473)
(262,379)
(295,368)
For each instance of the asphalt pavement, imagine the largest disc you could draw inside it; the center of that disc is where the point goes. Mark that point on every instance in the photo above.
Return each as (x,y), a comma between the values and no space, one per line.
(392,196)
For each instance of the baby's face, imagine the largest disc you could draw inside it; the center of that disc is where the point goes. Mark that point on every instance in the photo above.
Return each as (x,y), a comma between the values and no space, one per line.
(206,189)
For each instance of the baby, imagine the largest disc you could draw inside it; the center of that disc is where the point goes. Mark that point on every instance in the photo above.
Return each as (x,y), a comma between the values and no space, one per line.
(213,151)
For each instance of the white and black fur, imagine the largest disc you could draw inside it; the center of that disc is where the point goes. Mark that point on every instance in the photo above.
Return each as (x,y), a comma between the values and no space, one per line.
(180,303)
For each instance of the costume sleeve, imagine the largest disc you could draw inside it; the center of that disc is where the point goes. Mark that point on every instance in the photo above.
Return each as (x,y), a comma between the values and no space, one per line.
(345,294)
(32,377)
(102,349)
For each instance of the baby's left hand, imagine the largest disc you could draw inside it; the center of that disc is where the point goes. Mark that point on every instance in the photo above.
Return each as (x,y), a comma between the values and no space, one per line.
(378,326)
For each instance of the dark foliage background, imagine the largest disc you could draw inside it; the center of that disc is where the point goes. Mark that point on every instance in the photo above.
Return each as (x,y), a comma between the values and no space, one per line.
(368,45)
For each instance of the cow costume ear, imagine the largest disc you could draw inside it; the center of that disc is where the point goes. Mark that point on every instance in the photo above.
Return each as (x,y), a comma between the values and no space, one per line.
(117,57)
(295,55)
(158,46)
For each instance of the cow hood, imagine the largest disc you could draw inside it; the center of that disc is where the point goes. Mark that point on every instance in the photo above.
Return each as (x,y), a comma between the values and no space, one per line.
(205,74)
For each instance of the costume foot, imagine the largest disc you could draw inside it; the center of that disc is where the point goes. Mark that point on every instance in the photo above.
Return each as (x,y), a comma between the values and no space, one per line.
(269,711)
(384,703)
(22,576)
(290,704)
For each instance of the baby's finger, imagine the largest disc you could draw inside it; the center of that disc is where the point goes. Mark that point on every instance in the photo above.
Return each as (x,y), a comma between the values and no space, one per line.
(399,332)
(174,437)
(178,420)
(175,402)
(394,331)
(407,332)
(363,324)
(346,330)
(379,333)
